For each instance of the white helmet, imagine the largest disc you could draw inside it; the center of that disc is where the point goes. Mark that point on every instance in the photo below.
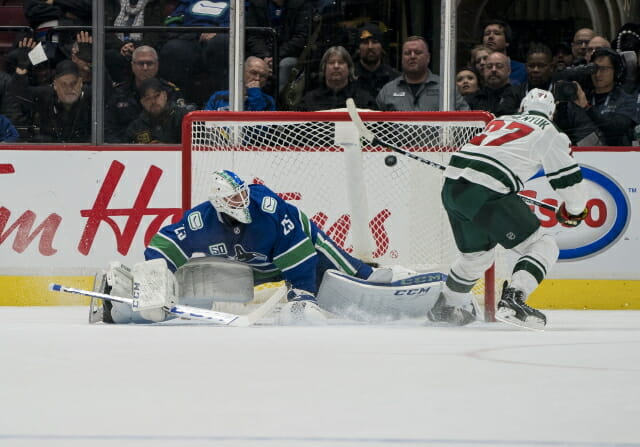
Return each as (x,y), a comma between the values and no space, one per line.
(230,195)
(538,100)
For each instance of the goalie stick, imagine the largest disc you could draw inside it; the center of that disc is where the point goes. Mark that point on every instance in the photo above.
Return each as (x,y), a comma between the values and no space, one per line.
(190,312)
(374,140)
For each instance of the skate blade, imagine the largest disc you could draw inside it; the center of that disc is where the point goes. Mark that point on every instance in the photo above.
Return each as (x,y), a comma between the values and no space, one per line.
(531,323)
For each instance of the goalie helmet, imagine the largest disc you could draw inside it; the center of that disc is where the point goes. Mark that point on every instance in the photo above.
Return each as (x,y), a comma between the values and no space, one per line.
(538,100)
(230,195)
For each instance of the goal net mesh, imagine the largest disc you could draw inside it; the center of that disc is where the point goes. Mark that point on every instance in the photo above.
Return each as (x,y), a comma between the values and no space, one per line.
(380,206)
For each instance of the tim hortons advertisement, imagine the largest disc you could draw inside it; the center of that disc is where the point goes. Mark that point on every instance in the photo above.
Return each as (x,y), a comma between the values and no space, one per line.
(73,211)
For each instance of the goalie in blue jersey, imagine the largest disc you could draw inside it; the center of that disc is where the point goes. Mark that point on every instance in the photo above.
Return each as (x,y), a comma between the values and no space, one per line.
(249,228)
(251,224)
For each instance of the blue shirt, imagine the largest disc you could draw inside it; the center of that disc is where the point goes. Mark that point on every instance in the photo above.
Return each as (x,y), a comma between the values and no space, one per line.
(8,133)
(256,101)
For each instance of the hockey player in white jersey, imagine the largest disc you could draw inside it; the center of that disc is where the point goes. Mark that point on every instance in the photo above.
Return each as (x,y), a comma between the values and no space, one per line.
(480,196)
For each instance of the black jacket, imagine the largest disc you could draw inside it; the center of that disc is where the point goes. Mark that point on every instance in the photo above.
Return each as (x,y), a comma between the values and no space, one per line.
(124,107)
(324,98)
(165,129)
(373,81)
(501,101)
(39,106)
(292,34)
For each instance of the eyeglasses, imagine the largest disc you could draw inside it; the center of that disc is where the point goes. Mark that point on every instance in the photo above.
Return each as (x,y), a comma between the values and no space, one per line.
(580,42)
(603,68)
(143,63)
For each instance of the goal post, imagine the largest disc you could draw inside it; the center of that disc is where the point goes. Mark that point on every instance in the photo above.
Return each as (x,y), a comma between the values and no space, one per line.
(381,209)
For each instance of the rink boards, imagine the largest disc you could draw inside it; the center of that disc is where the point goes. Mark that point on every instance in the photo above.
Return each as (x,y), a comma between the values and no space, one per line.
(65,212)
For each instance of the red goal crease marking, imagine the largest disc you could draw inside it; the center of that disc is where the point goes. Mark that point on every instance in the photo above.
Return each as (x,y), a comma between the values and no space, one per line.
(7,168)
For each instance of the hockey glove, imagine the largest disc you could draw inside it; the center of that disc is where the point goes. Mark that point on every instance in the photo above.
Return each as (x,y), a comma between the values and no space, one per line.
(570,220)
(300,295)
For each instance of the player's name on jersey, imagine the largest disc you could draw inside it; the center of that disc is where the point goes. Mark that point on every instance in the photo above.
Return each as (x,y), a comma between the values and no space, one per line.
(539,121)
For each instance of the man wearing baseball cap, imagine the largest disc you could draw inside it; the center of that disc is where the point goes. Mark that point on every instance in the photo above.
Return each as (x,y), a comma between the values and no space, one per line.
(371,69)
(57,113)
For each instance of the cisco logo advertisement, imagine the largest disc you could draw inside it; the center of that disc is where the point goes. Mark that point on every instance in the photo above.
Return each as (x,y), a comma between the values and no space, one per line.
(609,215)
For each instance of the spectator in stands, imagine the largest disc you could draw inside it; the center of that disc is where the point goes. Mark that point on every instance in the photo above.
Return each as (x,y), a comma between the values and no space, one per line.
(478,58)
(570,118)
(5,78)
(595,43)
(124,106)
(497,35)
(539,70)
(417,89)
(160,120)
(256,73)
(612,110)
(291,20)
(579,45)
(337,72)
(497,94)
(627,43)
(8,133)
(119,46)
(562,56)
(193,53)
(372,71)
(59,113)
(43,15)
(467,81)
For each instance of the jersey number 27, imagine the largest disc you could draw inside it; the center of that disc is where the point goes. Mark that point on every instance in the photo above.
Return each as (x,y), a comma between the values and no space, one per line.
(498,132)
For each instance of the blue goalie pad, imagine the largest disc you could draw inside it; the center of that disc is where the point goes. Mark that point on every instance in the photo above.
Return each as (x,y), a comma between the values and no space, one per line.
(361,300)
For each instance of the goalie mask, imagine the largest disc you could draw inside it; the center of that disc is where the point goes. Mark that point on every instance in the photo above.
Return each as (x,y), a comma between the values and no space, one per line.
(230,195)
(538,100)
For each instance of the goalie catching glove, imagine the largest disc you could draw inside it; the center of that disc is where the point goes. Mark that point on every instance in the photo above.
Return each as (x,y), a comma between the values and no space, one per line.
(570,220)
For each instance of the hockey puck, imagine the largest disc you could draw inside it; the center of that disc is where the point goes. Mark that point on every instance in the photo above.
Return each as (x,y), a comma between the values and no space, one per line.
(390,160)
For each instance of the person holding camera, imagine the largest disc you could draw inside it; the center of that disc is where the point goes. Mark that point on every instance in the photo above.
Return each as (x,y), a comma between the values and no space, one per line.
(570,118)
(607,105)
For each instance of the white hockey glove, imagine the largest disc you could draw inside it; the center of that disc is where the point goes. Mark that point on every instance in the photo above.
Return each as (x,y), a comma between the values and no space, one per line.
(154,288)
(300,295)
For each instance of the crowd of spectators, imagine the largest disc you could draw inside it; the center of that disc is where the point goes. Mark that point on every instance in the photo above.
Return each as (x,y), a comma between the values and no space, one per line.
(153,78)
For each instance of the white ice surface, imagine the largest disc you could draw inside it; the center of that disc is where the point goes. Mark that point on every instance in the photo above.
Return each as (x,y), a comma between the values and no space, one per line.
(64,382)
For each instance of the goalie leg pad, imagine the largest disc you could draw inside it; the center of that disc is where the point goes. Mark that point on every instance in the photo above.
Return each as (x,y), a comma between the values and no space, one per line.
(362,300)
(206,280)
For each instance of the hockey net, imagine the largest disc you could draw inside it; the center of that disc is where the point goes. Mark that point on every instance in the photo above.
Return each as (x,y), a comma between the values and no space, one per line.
(380,206)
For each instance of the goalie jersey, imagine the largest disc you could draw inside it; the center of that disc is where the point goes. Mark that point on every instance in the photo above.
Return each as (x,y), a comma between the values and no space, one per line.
(512,149)
(280,242)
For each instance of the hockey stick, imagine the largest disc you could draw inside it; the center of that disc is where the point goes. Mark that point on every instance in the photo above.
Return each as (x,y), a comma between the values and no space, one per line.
(374,140)
(189,312)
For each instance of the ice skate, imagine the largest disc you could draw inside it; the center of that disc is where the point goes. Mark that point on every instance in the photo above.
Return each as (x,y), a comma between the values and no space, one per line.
(513,310)
(441,312)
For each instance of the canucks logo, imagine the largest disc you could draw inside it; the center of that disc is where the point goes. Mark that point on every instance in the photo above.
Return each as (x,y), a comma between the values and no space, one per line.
(248,256)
